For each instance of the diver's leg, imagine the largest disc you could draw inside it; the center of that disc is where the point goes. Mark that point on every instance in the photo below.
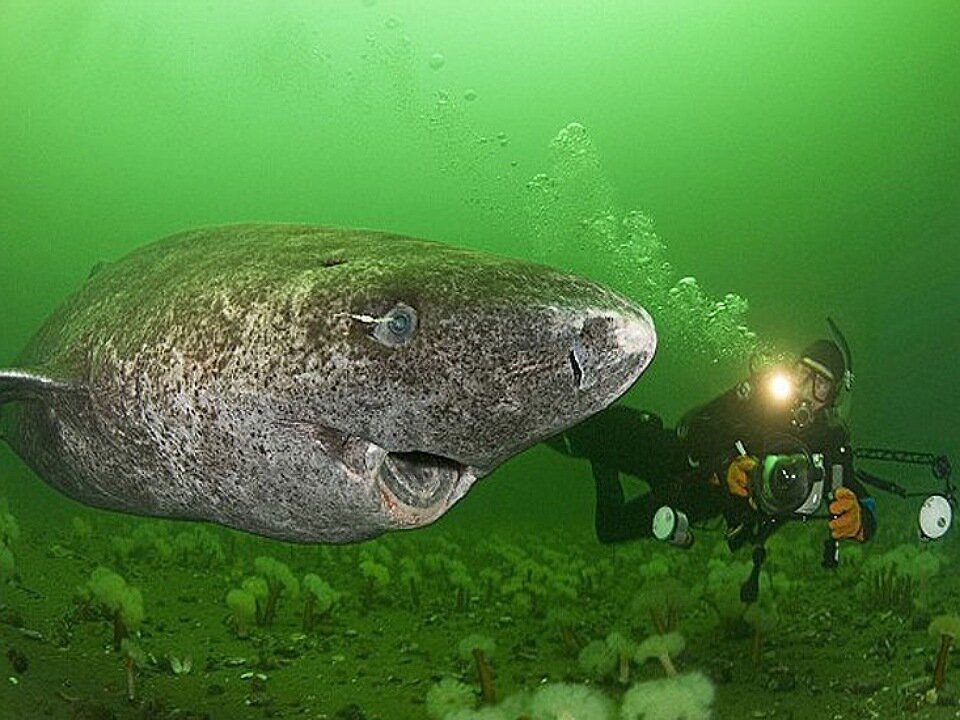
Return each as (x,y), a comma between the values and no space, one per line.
(659,460)
(617,519)
(702,499)
(621,439)
(617,436)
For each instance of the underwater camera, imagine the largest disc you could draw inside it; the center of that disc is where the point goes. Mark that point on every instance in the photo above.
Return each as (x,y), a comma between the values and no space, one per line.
(790,481)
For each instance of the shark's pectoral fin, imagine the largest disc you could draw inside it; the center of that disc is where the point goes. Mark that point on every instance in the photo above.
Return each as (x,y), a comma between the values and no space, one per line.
(20,384)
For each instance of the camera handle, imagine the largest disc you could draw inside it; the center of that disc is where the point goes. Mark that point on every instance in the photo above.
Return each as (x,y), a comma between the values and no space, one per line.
(831,553)
(831,546)
(750,590)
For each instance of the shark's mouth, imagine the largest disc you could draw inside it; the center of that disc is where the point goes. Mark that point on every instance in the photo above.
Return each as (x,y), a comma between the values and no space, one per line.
(414,487)
(418,487)
(419,479)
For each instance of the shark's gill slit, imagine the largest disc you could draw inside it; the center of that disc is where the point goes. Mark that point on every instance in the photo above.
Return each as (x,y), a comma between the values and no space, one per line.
(577,370)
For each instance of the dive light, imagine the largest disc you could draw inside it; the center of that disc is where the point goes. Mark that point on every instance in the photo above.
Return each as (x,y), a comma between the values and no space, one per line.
(672,526)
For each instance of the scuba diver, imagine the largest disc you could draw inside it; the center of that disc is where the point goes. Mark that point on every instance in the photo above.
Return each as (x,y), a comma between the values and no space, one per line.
(771,448)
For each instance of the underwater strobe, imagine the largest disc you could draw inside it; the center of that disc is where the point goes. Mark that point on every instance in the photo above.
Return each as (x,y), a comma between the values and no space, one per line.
(936,512)
(936,516)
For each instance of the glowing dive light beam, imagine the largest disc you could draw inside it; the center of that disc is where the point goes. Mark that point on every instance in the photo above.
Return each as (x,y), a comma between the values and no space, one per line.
(780,386)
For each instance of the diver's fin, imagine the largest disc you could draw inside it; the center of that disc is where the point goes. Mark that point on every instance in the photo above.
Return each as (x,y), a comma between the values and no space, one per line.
(23,384)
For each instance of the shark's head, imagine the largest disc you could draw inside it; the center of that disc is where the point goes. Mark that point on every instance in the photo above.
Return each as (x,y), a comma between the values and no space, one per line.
(448,362)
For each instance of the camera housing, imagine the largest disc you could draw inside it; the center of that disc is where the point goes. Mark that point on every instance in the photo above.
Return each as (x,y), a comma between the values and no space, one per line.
(789,484)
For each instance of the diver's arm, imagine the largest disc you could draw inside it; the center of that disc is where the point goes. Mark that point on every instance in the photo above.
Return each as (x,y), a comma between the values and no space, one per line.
(708,432)
(842,454)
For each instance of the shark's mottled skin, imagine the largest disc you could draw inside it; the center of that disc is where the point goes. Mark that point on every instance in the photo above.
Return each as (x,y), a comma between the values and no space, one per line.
(310,383)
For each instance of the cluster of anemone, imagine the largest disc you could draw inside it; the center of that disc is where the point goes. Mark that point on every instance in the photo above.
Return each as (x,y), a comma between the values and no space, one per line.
(257,600)
(616,655)
(679,697)
(9,533)
(664,600)
(629,656)
(108,595)
(155,543)
(279,580)
(897,579)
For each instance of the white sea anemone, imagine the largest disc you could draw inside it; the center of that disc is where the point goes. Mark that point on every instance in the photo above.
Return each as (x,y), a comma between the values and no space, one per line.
(566,701)
(682,697)
(484,713)
(447,696)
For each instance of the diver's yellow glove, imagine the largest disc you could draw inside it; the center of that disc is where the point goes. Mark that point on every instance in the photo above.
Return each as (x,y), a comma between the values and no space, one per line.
(738,475)
(848,522)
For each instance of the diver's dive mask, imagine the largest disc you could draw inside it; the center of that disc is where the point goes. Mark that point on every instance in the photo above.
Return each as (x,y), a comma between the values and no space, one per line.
(789,483)
(814,387)
(813,380)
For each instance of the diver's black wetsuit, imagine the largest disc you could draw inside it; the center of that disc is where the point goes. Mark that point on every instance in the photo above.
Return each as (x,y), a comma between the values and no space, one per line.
(686,468)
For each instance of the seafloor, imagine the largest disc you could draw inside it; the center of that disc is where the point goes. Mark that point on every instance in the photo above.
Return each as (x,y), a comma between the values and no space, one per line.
(850,643)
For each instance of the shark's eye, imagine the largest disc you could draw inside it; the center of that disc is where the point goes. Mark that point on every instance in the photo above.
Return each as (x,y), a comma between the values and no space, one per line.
(399,324)
(398,327)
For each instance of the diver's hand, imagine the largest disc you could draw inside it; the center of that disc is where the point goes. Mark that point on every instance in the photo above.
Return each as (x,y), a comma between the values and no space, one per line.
(848,522)
(738,475)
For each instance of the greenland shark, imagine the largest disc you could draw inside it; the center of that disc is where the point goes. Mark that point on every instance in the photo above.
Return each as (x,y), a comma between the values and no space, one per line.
(310,383)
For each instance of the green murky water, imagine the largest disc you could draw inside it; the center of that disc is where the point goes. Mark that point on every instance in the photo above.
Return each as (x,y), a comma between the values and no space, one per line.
(741,169)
